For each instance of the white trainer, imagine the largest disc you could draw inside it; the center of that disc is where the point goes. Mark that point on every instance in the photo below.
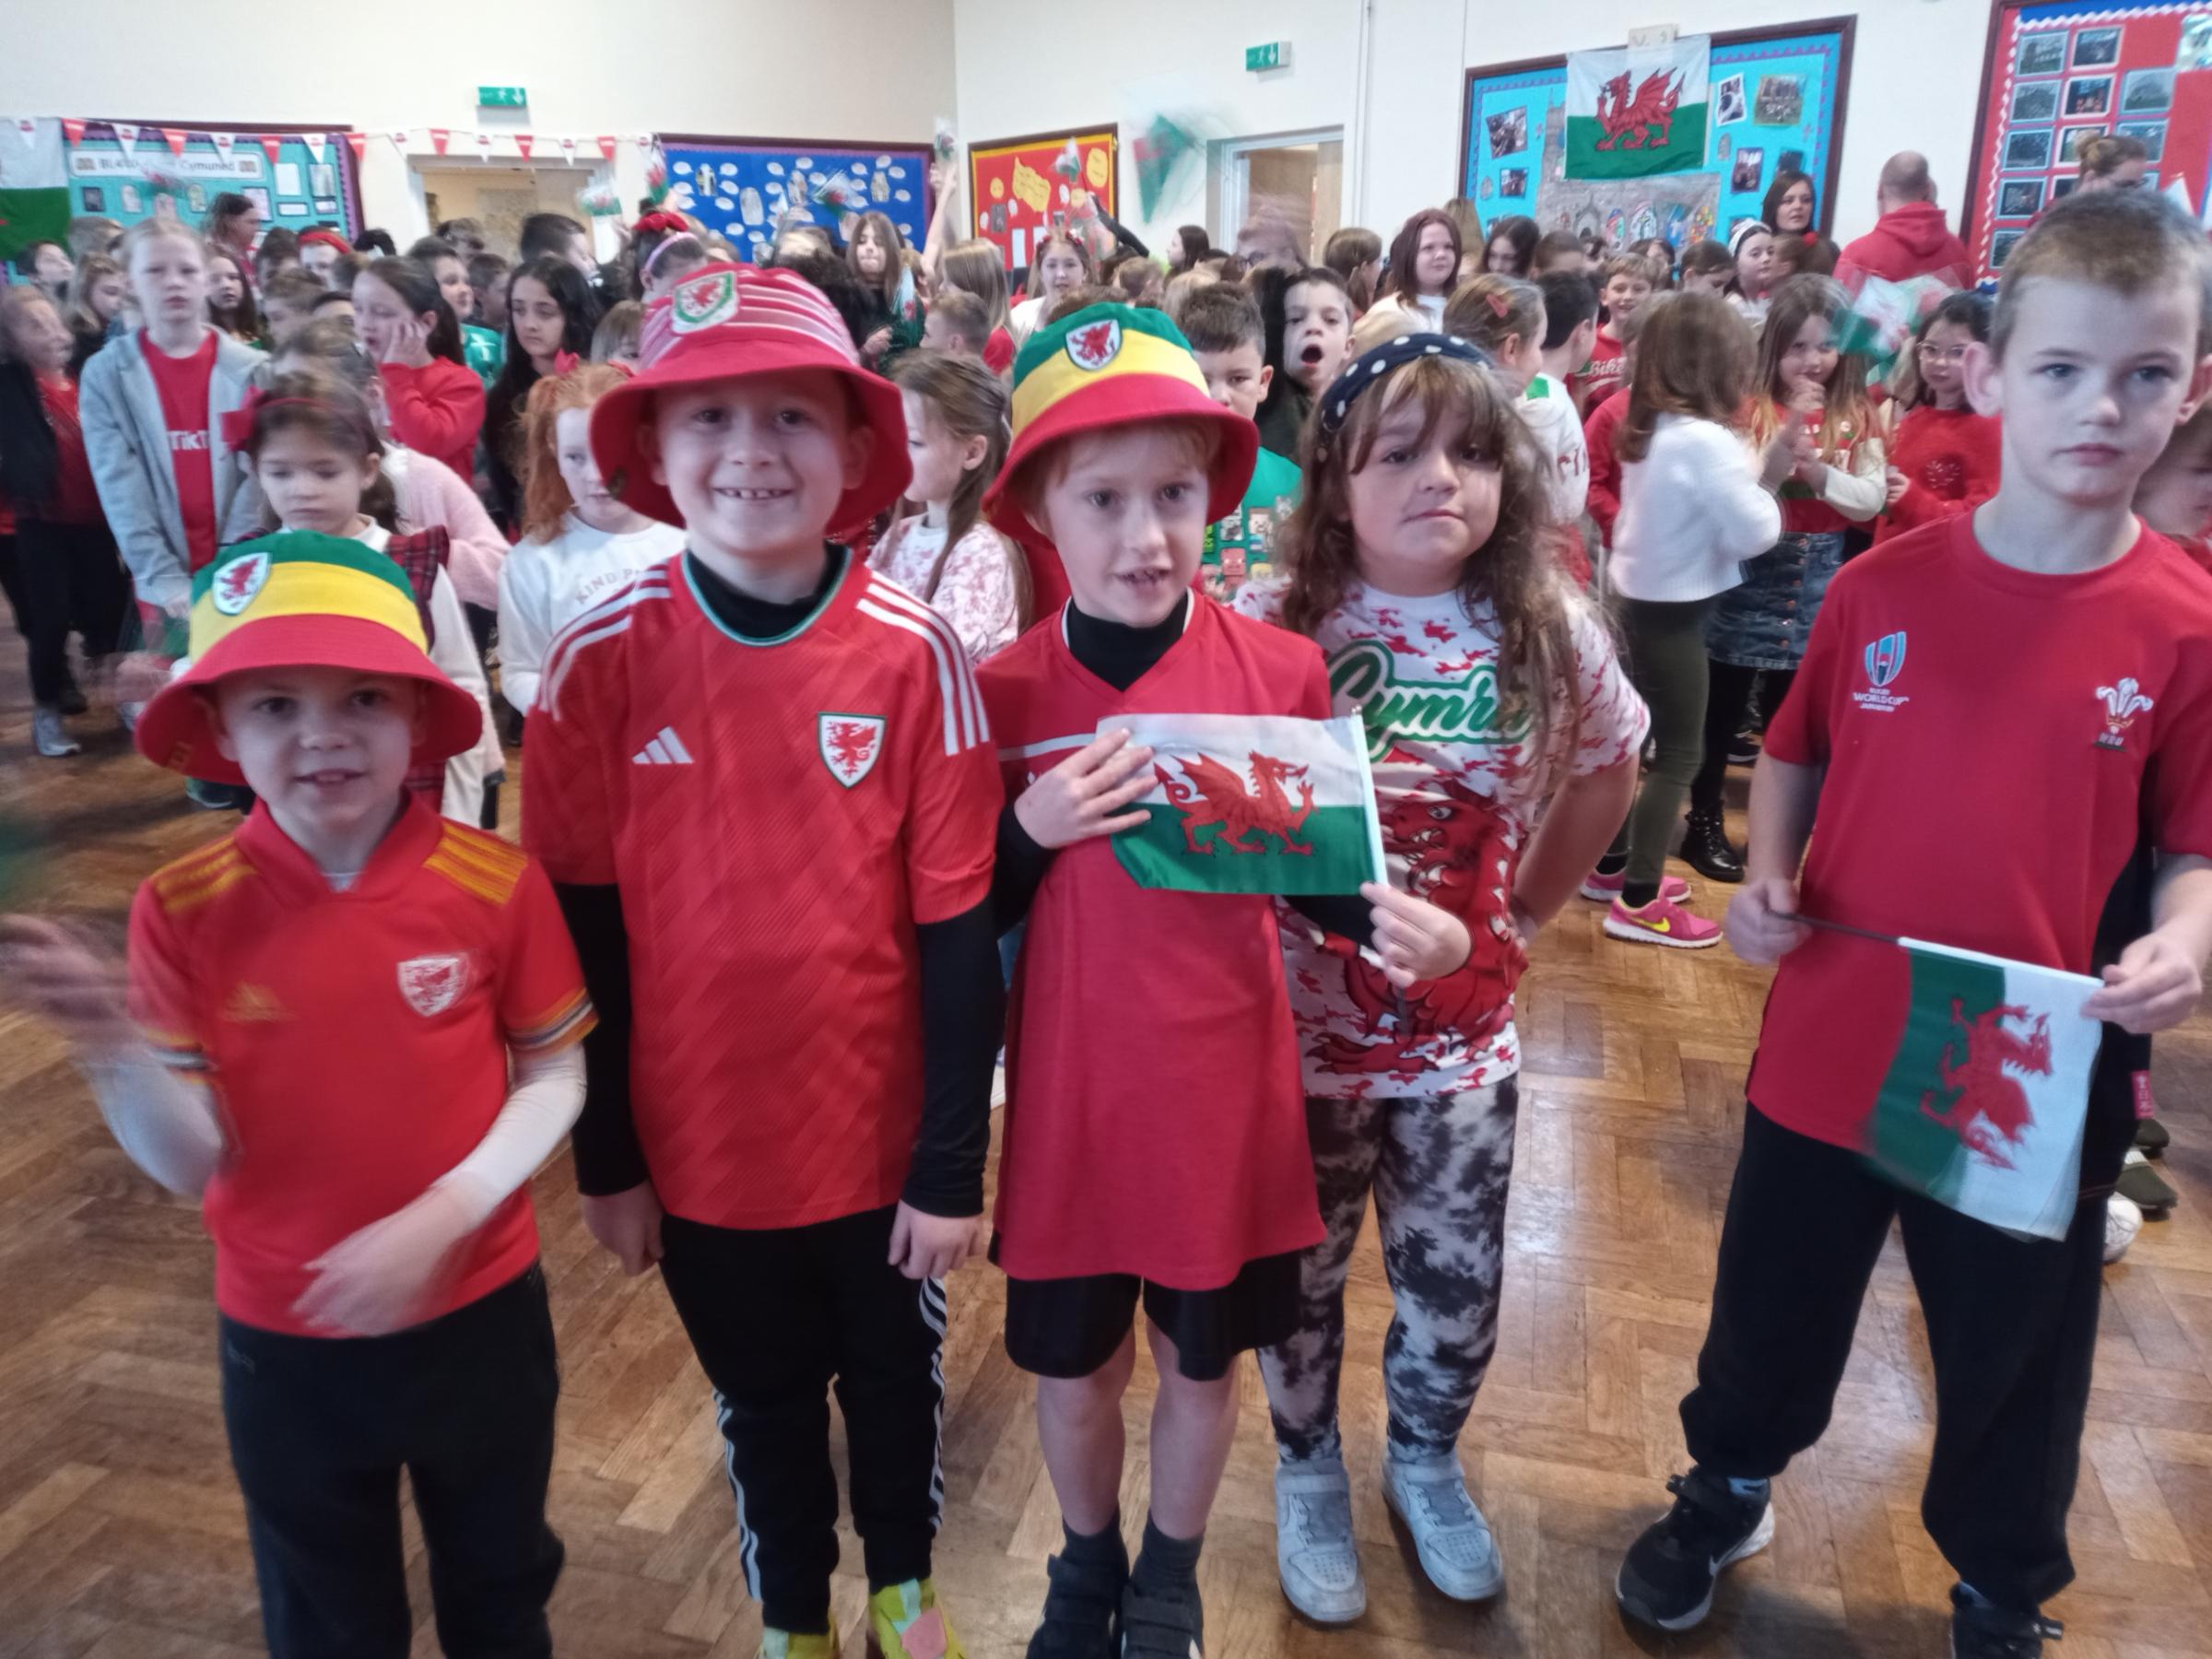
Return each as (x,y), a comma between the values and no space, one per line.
(2123,1221)
(1314,1551)
(1452,1539)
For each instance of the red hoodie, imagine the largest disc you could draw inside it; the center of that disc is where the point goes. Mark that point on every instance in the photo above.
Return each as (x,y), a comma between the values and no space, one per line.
(1908,241)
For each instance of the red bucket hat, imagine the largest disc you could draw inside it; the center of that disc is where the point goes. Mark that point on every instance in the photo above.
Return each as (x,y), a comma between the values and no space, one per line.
(726,322)
(1109,366)
(286,601)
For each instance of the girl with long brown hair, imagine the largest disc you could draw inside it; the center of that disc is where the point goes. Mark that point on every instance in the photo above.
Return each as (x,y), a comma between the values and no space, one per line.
(941,550)
(1424,266)
(1505,738)
(975,267)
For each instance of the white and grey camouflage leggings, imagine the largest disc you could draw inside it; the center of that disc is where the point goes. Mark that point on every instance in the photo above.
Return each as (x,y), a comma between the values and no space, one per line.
(1440,1168)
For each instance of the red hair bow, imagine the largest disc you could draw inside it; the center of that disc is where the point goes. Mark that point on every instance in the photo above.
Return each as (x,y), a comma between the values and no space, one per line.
(661,220)
(565,362)
(238,424)
(1501,305)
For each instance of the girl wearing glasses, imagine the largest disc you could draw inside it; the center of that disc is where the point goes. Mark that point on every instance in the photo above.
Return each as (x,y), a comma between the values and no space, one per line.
(1943,456)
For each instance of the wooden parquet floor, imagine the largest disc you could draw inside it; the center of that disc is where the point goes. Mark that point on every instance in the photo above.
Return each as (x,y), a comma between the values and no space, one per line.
(121,1536)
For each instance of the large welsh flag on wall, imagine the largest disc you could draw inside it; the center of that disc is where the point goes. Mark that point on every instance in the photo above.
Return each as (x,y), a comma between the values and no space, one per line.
(1632,111)
(1987,1092)
(34,183)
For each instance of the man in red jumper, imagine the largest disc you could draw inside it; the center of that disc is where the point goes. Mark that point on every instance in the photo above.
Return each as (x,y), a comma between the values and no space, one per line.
(1911,238)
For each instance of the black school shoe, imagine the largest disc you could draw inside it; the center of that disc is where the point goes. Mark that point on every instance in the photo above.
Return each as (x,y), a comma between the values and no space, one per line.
(1981,1631)
(1667,1577)
(1082,1610)
(1706,849)
(1163,1624)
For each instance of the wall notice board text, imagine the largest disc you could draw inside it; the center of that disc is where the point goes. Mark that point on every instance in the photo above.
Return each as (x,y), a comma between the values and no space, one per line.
(743,188)
(2058,73)
(1777,103)
(1016,196)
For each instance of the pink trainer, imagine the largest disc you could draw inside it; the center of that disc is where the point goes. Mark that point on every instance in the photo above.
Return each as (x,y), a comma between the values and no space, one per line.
(1662,921)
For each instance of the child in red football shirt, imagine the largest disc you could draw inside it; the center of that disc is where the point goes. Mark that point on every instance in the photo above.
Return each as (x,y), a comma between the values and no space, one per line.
(1625,285)
(1155,1144)
(2013,623)
(762,775)
(327,1002)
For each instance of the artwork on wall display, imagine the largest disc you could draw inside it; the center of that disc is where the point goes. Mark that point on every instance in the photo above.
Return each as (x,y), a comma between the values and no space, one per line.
(326,205)
(745,188)
(1776,100)
(145,178)
(291,210)
(259,195)
(1509,131)
(1022,188)
(2144,73)
(95,199)
(2021,198)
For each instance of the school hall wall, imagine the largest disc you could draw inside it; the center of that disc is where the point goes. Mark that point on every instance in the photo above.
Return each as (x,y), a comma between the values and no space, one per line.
(828,69)
(1915,74)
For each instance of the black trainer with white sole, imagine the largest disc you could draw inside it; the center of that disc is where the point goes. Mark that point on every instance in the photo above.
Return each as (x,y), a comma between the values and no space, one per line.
(1667,1577)
(1981,1631)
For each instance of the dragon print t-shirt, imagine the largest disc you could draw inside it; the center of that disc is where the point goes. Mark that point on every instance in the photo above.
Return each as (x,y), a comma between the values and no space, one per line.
(1458,783)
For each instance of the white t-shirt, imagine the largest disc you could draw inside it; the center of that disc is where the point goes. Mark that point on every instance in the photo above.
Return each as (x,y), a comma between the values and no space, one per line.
(1458,787)
(544,585)
(1550,413)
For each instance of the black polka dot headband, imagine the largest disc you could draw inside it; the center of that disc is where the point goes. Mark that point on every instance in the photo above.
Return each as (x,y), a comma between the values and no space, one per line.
(1373,364)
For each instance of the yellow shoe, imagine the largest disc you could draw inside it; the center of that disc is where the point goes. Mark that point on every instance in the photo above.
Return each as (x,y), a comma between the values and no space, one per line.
(802,1644)
(909,1625)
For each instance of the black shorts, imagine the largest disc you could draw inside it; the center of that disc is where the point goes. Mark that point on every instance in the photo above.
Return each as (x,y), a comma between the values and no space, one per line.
(1070,1327)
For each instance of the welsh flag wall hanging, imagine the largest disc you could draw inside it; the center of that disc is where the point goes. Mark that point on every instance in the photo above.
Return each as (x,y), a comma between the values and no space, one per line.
(34,183)
(1252,804)
(1982,1106)
(1632,111)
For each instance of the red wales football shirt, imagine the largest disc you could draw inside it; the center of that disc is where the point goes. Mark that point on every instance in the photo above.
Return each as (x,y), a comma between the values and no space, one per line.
(779,815)
(1155,1125)
(356,1042)
(183,384)
(1994,739)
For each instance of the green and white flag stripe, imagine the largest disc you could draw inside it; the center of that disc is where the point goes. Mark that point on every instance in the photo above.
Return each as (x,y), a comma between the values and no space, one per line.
(1252,804)
(1635,112)
(1982,1106)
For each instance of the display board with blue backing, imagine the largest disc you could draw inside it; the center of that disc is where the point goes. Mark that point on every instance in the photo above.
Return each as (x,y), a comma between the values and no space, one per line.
(298,187)
(742,188)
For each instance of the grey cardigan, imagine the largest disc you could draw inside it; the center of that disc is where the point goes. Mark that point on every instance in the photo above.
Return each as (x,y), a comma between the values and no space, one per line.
(126,440)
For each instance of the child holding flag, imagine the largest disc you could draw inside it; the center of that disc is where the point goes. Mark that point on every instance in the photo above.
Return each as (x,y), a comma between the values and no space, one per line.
(2077,646)
(1424,567)
(1126,1099)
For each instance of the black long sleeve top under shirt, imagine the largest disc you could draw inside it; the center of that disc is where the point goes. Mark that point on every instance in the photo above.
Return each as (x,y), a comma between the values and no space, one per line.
(963,1010)
(1121,655)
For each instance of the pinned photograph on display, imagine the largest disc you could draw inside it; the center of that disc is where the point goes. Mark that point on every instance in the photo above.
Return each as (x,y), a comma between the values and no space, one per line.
(96,199)
(2096,48)
(1781,100)
(133,202)
(1509,131)
(1790,162)
(2151,134)
(2062,187)
(2028,151)
(327,205)
(1513,181)
(2070,141)
(322,180)
(2197,42)
(2147,92)
(2000,246)
(195,197)
(1744,176)
(1728,102)
(2033,101)
(291,210)
(2041,53)
(258,196)
(2019,199)
(2088,95)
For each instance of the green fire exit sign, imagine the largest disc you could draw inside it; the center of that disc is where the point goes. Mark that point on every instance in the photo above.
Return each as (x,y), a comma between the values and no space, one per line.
(501,98)
(1275,55)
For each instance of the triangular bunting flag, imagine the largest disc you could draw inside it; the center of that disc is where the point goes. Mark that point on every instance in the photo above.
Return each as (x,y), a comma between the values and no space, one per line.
(271,145)
(568,149)
(74,129)
(358,144)
(224,144)
(484,146)
(318,146)
(175,137)
(127,139)
(27,127)
(440,137)
(606,146)
(526,142)
(401,140)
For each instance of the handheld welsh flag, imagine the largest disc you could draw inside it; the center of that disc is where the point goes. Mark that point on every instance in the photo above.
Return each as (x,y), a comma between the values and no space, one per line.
(1883,314)
(1252,804)
(1983,1103)
(1633,111)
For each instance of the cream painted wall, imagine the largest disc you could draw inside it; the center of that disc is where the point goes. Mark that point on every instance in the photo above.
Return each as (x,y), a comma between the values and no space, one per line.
(738,66)
(1913,79)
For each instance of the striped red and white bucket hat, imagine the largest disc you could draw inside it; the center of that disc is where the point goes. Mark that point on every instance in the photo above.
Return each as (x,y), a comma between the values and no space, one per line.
(731,322)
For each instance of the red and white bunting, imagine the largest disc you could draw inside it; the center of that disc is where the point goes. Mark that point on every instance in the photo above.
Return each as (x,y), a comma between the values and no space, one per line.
(272,145)
(484,146)
(526,142)
(318,146)
(358,144)
(126,137)
(175,136)
(73,129)
(402,140)
(440,137)
(606,146)
(26,128)
(224,144)
(568,149)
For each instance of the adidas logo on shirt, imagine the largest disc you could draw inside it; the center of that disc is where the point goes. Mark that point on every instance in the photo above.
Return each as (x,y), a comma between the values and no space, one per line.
(665,749)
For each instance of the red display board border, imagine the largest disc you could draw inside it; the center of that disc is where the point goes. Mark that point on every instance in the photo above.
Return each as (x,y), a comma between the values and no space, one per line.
(991,148)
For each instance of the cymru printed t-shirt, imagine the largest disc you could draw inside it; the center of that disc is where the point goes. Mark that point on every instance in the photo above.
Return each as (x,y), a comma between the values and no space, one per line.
(1994,739)
(1240,547)
(183,384)
(356,1041)
(1458,786)
(1154,1121)
(779,815)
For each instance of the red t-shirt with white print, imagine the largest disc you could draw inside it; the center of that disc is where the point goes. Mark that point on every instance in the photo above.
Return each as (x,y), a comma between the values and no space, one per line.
(183,384)
(1458,787)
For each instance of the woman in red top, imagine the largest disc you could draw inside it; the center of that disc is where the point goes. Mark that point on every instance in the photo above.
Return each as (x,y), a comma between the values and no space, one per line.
(436,400)
(68,568)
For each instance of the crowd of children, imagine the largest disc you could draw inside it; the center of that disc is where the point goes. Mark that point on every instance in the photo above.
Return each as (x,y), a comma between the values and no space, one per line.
(834,589)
